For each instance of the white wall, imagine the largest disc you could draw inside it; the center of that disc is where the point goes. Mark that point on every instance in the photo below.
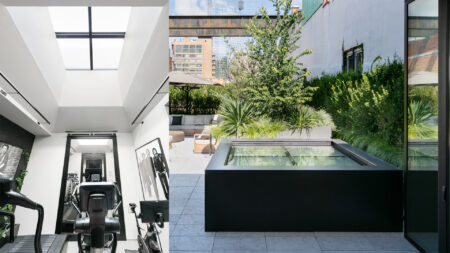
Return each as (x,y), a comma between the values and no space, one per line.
(35,26)
(136,41)
(153,67)
(155,124)
(129,177)
(19,65)
(42,183)
(344,24)
(91,88)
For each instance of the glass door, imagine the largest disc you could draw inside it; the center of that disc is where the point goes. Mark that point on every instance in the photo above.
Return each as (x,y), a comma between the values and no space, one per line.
(421,180)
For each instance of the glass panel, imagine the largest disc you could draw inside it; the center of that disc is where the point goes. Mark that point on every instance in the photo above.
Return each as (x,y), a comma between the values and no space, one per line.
(422,171)
(69,19)
(75,53)
(110,19)
(297,156)
(107,53)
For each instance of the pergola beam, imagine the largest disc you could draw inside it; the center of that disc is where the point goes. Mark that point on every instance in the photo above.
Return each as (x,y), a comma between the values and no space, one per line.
(210,26)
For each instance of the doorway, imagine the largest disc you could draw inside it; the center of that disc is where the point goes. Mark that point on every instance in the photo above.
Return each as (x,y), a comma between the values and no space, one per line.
(89,157)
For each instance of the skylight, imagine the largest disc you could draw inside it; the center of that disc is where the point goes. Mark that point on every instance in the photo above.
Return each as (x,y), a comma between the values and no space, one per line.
(90,38)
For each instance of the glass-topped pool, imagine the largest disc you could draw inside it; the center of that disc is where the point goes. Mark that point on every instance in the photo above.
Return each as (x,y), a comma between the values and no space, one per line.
(288,156)
(313,185)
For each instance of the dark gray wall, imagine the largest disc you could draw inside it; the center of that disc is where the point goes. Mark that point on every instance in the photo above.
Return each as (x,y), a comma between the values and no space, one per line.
(15,135)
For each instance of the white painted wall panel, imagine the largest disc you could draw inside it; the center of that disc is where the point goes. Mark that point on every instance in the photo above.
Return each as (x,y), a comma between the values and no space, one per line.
(42,183)
(343,24)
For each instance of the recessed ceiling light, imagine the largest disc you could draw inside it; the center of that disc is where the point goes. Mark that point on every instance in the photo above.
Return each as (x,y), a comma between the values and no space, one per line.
(93,142)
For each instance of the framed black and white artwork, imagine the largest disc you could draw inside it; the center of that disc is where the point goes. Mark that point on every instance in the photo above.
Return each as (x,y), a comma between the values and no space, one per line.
(9,160)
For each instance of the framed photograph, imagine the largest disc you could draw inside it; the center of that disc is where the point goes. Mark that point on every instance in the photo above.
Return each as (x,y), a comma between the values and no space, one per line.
(9,160)
(153,170)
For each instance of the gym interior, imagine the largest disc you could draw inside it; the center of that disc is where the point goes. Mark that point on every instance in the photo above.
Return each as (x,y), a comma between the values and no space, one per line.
(83,118)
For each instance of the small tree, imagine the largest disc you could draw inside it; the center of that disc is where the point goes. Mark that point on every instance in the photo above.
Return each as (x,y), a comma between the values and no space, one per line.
(273,75)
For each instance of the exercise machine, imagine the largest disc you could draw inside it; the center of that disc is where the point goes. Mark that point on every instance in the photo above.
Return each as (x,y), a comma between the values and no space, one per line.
(96,230)
(52,243)
(93,171)
(154,214)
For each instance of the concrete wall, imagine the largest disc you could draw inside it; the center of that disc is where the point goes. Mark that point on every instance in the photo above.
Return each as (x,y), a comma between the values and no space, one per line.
(344,24)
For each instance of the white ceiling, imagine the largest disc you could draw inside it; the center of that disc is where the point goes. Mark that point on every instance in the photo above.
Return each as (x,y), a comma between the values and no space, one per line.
(84,100)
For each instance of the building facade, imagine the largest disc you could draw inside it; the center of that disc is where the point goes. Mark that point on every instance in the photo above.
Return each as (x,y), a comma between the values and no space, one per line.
(194,57)
(338,44)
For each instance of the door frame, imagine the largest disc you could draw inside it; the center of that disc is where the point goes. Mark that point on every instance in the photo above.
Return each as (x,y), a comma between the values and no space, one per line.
(58,230)
(443,124)
(444,130)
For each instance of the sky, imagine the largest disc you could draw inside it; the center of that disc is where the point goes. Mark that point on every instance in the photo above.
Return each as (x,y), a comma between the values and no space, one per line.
(220,7)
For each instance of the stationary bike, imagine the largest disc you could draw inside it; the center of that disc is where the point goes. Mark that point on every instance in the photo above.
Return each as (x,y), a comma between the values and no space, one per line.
(154,213)
(8,196)
(96,230)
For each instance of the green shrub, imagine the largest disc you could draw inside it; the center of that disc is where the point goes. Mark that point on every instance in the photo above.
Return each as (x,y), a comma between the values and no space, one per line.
(204,100)
(307,117)
(237,117)
(367,108)
(264,128)
(419,113)
(371,103)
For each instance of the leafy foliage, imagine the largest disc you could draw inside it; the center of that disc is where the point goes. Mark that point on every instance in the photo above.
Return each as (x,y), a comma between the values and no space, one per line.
(237,117)
(204,100)
(369,103)
(419,112)
(307,117)
(367,108)
(269,74)
(9,207)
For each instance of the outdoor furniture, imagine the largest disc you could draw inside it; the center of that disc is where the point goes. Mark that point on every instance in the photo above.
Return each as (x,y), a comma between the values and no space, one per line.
(203,143)
(177,136)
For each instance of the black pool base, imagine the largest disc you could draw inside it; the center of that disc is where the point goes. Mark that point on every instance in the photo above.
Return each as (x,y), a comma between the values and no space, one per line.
(368,199)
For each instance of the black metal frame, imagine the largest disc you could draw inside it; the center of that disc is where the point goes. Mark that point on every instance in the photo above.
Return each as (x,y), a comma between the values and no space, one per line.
(344,58)
(103,135)
(90,35)
(443,131)
(443,125)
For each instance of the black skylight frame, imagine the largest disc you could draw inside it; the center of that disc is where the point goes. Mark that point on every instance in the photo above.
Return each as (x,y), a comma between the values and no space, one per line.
(90,35)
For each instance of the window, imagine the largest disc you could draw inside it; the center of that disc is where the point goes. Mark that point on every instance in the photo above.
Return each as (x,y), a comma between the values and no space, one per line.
(192,49)
(185,48)
(353,59)
(178,48)
(198,65)
(199,48)
(90,38)
(185,65)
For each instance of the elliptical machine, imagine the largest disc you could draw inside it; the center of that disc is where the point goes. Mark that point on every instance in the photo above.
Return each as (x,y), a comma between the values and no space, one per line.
(96,230)
(154,214)
(9,196)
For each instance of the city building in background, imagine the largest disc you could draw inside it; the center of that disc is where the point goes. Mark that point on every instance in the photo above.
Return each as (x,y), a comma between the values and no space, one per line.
(195,57)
